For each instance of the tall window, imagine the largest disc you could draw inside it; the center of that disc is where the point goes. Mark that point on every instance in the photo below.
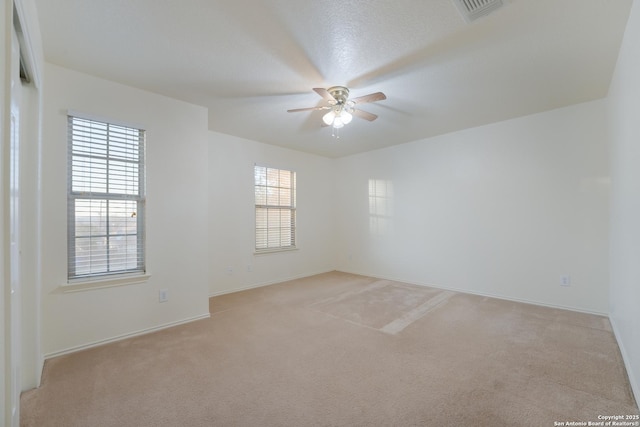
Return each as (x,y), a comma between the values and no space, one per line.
(106,199)
(275,191)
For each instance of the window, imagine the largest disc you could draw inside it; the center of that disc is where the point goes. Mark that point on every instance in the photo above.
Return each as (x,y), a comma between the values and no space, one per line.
(106,199)
(275,209)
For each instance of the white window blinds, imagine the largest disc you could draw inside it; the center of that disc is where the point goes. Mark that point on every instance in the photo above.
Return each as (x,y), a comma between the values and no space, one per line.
(106,199)
(275,193)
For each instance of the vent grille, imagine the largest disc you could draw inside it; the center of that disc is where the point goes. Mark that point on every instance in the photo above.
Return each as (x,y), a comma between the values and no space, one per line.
(474,9)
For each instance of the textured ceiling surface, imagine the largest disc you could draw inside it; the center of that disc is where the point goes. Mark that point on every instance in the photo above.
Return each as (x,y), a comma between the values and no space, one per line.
(249,61)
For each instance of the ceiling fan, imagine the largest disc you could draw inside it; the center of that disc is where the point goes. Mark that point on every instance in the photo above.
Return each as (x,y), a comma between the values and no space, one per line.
(341,108)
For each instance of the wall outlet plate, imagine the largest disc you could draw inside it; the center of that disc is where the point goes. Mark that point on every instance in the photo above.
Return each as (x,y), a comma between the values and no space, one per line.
(565,280)
(163,295)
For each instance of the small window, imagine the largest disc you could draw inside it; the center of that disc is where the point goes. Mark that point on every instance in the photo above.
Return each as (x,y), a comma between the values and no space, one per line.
(106,199)
(275,191)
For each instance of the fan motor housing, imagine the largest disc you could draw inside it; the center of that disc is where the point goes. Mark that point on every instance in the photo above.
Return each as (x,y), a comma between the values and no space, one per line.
(339,93)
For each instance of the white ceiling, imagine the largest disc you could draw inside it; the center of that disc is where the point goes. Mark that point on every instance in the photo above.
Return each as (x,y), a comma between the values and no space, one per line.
(249,61)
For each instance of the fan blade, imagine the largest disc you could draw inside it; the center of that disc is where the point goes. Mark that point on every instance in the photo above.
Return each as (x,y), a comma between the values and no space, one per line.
(324,93)
(365,115)
(372,97)
(295,110)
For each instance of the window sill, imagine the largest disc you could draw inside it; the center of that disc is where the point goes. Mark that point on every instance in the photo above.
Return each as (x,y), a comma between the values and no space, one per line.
(274,251)
(86,285)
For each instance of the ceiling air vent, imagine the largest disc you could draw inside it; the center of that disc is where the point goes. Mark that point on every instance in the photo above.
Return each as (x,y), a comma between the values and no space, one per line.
(474,9)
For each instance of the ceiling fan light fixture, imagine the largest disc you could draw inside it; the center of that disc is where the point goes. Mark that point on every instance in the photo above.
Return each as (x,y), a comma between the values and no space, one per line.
(328,118)
(346,117)
(338,122)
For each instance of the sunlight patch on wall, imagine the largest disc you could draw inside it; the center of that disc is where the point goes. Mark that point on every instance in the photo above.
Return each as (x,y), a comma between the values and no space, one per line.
(380,207)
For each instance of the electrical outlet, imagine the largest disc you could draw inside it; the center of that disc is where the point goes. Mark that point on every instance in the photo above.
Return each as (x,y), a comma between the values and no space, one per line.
(230,270)
(565,280)
(249,268)
(163,295)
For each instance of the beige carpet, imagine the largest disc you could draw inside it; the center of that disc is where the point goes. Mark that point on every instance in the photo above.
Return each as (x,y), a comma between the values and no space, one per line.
(343,350)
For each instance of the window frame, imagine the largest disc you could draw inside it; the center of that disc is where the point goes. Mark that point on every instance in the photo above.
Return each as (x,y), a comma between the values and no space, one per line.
(109,276)
(291,208)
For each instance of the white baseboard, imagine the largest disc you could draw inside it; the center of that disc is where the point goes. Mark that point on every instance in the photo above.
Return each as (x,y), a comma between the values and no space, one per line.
(631,374)
(124,336)
(267,283)
(483,294)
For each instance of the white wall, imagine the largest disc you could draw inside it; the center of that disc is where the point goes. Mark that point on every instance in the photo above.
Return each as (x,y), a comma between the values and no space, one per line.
(501,210)
(624,120)
(176,214)
(232,217)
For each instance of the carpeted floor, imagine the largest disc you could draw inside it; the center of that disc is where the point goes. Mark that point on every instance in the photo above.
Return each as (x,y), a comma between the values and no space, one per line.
(344,350)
